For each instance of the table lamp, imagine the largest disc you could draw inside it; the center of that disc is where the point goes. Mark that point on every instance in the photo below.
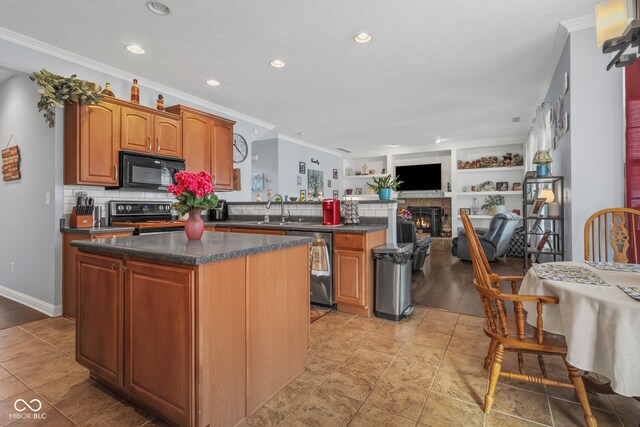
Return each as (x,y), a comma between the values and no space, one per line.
(542,159)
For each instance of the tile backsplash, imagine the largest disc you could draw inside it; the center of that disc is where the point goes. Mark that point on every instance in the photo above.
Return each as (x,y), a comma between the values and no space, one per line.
(311,209)
(102,196)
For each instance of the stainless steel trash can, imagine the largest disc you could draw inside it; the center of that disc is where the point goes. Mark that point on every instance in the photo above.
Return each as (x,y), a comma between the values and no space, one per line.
(393,280)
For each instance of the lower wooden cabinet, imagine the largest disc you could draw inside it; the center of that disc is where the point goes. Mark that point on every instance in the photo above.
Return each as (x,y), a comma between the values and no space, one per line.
(99,333)
(349,273)
(158,328)
(259,231)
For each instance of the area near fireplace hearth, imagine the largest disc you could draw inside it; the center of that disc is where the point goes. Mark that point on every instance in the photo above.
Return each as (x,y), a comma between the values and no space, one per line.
(429,213)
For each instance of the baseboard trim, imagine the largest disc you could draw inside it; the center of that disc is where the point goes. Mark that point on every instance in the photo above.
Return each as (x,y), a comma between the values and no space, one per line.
(31,302)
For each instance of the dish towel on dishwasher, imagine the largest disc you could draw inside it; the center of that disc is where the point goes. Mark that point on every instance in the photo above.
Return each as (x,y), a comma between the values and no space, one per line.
(320,259)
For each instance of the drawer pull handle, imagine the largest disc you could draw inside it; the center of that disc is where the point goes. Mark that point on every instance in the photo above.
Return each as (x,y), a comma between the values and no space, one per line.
(114,267)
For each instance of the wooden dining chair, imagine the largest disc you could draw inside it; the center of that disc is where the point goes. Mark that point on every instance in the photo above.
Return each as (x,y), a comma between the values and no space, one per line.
(613,235)
(512,333)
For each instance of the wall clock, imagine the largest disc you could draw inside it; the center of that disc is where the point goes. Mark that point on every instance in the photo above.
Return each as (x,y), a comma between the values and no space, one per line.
(240,148)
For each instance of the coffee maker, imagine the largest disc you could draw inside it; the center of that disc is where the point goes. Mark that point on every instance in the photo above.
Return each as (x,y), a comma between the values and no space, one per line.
(331,212)
(220,212)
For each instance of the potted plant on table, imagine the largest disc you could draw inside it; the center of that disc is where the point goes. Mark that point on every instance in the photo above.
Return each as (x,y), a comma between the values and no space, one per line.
(494,205)
(384,186)
(194,193)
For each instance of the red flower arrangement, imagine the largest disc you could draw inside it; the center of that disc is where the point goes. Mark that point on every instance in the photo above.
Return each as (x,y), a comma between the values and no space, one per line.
(193,191)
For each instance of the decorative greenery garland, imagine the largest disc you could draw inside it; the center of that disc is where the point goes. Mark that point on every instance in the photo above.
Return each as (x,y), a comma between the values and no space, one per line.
(56,90)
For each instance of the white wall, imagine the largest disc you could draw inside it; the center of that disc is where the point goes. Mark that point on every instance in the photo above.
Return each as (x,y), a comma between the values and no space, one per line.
(28,227)
(267,164)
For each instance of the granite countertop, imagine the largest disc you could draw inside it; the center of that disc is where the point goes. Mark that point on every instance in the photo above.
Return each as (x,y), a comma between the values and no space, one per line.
(295,226)
(174,246)
(98,230)
(315,202)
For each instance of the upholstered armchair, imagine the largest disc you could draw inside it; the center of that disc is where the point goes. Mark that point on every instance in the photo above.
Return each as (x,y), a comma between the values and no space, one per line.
(494,240)
(406,231)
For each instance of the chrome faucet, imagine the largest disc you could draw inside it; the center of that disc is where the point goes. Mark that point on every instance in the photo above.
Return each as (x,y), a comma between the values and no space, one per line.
(283,217)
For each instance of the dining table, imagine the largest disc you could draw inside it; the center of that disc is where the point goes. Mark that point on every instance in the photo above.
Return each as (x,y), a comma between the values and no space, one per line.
(600,322)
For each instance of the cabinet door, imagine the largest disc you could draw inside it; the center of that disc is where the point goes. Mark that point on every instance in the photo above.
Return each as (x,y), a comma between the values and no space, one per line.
(158,338)
(222,155)
(195,142)
(137,130)
(258,231)
(168,137)
(99,144)
(99,333)
(348,270)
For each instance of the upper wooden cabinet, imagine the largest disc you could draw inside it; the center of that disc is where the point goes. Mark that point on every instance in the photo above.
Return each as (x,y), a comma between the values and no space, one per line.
(91,144)
(137,130)
(208,144)
(168,136)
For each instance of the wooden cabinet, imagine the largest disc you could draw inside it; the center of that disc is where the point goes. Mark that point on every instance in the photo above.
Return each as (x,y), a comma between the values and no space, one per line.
(92,141)
(259,231)
(221,153)
(168,136)
(349,273)
(158,328)
(137,130)
(99,326)
(353,271)
(208,144)
(69,267)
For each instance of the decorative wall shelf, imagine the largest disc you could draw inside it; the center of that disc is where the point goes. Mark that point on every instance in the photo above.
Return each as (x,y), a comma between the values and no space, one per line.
(504,169)
(490,193)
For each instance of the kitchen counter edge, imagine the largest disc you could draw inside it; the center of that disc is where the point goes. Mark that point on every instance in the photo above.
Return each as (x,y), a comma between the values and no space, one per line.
(98,230)
(358,229)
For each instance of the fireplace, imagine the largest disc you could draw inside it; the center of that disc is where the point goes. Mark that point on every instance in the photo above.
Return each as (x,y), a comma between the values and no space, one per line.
(427,219)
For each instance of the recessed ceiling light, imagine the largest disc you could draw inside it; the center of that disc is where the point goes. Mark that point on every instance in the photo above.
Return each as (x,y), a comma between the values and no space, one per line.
(213,82)
(302,133)
(134,48)
(439,140)
(277,63)
(392,145)
(158,8)
(362,38)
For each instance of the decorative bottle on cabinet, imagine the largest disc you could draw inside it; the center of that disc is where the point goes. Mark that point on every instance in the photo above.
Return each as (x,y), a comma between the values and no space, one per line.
(160,103)
(107,90)
(135,92)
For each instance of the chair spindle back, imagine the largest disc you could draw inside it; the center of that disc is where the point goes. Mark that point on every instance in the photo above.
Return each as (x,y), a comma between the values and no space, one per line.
(613,235)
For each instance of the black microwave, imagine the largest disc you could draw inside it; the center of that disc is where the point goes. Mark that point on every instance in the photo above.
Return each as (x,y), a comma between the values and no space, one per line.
(147,173)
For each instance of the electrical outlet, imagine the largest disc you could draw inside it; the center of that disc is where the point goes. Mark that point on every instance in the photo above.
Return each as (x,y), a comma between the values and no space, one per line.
(13,268)
(47,199)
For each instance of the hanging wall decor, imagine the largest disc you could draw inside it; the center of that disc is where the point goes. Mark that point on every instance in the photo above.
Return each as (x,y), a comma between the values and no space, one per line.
(11,161)
(237,181)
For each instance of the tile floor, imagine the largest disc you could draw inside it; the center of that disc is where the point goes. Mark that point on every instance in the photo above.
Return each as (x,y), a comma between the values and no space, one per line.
(423,371)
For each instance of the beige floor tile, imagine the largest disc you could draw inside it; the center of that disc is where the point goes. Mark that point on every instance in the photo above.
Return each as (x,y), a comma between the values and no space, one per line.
(597,401)
(35,371)
(567,414)
(370,416)
(368,361)
(441,410)
(630,422)
(626,407)
(464,363)
(28,348)
(315,341)
(156,422)
(288,399)
(442,315)
(8,413)
(264,417)
(351,383)
(324,329)
(434,325)
(351,338)
(498,419)
(121,415)
(53,418)
(51,329)
(293,422)
(469,346)
(337,318)
(333,350)
(471,321)
(470,388)
(383,344)
(531,367)
(87,400)
(317,369)
(401,399)
(522,403)
(63,388)
(15,335)
(10,386)
(395,330)
(470,332)
(364,323)
(422,354)
(413,373)
(419,311)
(326,408)
(4,373)
(431,339)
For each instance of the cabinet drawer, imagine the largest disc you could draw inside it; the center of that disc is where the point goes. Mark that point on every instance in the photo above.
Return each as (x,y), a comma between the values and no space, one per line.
(259,231)
(109,236)
(348,241)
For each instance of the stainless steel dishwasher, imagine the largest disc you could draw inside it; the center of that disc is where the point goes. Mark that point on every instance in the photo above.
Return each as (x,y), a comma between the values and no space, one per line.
(321,284)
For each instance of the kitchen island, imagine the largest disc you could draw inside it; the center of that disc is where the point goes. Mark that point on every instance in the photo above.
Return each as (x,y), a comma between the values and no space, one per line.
(199,332)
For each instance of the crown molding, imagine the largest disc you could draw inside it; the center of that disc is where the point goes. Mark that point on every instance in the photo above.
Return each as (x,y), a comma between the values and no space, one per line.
(580,23)
(310,145)
(56,52)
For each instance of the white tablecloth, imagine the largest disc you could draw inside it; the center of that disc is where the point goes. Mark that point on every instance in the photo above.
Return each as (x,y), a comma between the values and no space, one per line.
(600,323)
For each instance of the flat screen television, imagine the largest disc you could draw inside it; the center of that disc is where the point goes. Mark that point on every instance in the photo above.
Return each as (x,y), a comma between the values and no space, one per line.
(420,177)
